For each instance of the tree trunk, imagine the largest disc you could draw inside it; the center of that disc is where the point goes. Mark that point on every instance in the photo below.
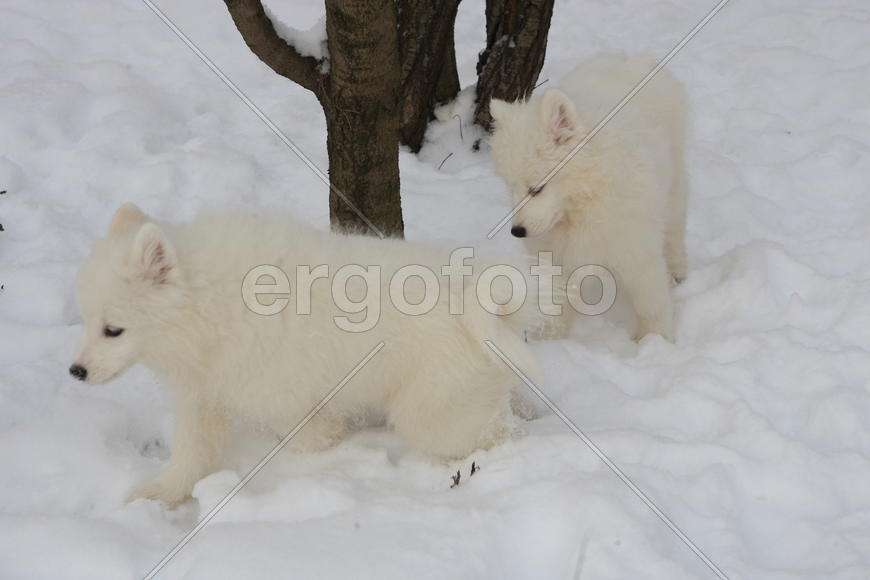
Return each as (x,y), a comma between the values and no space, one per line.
(360,99)
(448,81)
(429,76)
(362,115)
(516,43)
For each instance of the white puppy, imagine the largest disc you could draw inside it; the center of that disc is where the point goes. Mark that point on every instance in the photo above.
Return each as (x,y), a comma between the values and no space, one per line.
(621,201)
(171,297)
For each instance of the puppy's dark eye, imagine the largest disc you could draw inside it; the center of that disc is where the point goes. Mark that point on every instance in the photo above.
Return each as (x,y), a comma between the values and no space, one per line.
(533,191)
(112,331)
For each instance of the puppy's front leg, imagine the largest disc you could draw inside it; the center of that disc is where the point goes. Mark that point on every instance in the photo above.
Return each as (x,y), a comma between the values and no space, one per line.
(200,431)
(646,279)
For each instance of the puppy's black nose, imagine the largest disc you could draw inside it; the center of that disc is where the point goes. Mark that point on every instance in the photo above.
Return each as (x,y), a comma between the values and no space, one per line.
(79,372)
(518,232)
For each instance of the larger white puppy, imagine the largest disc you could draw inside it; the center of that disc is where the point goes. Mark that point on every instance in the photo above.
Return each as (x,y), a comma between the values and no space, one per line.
(171,297)
(621,201)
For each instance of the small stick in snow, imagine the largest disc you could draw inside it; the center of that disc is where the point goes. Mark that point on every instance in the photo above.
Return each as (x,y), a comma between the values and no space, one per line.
(474,468)
(449,155)
(456,479)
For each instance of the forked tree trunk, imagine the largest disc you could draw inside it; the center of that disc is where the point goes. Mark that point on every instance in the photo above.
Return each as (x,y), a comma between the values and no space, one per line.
(428,61)
(359,94)
(516,43)
(391,63)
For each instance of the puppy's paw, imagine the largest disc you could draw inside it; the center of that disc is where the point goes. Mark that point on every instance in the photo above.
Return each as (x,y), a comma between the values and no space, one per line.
(160,489)
(639,337)
(678,268)
(654,327)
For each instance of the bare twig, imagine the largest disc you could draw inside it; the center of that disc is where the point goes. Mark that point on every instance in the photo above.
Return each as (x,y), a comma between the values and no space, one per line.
(461,137)
(440,165)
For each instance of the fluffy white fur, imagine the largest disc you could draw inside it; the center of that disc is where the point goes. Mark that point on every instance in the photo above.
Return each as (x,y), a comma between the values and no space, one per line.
(621,201)
(175,290)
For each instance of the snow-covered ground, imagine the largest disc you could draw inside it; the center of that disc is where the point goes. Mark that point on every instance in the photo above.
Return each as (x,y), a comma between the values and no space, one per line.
(751,432)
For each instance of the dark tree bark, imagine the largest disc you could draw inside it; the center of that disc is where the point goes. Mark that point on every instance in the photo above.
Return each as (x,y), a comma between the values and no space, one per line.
(429,76)
(359,95)
(516,43)
(362,112)
(448,81)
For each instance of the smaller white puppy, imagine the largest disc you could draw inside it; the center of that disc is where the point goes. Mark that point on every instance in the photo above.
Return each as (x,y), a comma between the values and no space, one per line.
(621,201)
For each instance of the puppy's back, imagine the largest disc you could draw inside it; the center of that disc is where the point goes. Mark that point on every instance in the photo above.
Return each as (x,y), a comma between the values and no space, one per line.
(598,84)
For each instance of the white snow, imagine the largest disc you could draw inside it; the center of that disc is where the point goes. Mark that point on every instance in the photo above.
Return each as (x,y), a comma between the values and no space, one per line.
(309,42)
(751,432)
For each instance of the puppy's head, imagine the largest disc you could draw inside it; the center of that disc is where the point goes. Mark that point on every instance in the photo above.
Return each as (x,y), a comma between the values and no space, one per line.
(129,283)
(530,139)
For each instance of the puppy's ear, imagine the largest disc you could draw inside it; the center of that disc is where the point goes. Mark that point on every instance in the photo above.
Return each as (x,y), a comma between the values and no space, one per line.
(153,255)
(498,109)
(127,217)
(559,116)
